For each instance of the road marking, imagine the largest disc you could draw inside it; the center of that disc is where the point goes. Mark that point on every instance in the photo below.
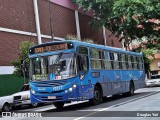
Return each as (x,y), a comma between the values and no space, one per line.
(103,109)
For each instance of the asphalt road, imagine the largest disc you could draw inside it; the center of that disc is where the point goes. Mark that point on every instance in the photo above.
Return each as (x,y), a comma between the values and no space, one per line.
(143,105)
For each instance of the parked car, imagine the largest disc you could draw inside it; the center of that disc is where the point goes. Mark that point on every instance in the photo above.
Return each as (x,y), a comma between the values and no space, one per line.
(153,81)
(5,103)
(22,97)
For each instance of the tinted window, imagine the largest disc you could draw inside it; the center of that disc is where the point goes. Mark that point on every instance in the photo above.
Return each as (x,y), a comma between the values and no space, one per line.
(83,50)
(155,77)
(25,88)
(96,58)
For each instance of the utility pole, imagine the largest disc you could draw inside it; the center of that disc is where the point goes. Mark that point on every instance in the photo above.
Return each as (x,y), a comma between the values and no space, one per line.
(37,21)
(104,35)
(51,21)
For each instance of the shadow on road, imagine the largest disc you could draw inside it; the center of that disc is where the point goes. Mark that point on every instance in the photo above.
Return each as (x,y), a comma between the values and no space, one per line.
(114,99)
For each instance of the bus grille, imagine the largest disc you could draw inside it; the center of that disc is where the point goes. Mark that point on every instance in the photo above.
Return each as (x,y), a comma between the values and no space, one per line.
(51,92)
(50,84)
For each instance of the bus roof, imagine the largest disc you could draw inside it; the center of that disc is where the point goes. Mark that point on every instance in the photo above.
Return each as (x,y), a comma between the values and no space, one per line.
(96,46)
(102,47)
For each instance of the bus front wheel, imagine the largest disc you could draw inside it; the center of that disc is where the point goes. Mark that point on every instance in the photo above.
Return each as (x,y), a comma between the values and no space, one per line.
(59,105)
(97,96)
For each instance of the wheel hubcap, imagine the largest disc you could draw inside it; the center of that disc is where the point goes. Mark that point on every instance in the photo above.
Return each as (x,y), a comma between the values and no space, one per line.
(96,95)
(6,108)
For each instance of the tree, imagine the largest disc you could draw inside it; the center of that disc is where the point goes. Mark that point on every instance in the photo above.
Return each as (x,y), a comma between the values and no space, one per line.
(137,18)
(133,18)
(23,55)
(102,10)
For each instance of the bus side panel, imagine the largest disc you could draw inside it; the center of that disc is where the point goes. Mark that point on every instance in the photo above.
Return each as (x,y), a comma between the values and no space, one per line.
(135,75)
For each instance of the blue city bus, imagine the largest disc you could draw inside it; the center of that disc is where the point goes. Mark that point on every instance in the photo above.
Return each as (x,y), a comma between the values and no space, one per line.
(71,70)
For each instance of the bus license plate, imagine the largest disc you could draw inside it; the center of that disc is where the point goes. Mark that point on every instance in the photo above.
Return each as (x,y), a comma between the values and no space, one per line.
(51,97)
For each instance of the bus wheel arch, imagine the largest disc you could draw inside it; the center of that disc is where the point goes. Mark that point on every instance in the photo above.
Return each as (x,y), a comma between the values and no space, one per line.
(98,95)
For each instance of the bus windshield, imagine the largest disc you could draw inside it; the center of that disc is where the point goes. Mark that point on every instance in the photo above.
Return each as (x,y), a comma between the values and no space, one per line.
(55,67)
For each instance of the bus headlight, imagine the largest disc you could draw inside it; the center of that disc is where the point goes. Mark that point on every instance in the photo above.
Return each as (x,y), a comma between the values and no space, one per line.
(74,86)
(70,89)
(33,92)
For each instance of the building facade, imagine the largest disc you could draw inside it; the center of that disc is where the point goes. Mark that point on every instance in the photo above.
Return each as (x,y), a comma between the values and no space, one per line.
(155,65)
(23,20)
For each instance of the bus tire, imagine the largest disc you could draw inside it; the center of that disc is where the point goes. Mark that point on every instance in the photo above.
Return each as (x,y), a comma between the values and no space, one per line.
(131,89)
(6,107)
(97,96)
(34,105)
(59,105)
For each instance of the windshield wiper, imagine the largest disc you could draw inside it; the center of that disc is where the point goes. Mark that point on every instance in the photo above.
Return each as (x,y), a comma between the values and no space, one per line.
(57,59)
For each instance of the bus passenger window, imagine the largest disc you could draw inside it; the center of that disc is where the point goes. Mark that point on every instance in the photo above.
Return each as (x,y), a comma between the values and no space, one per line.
(132,62)
(112,60)
(126,59)
(120,61)
(83,63)
(141,63)
(83,58)
(107,63)
(96,58)
(123,62)
(129,62)
(116,62)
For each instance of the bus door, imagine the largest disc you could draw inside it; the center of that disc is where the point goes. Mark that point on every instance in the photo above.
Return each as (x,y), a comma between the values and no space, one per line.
(83,71)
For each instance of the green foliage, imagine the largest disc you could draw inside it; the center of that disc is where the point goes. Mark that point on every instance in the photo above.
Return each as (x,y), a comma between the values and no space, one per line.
(147,63)
(133,18)
(102,10)
(73,37)
(10,84)
(147,53)
(88,40)
(23,55)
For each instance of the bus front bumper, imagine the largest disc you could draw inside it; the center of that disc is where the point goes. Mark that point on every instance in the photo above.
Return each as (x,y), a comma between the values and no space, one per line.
(66,95)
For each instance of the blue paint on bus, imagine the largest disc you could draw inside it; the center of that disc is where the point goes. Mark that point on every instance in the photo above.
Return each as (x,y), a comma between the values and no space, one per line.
(49,87)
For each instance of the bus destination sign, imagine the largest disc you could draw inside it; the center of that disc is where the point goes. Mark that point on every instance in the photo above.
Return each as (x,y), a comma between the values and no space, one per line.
(49,48)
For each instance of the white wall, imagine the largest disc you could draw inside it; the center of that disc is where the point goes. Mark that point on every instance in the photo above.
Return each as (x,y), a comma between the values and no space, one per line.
(6,70)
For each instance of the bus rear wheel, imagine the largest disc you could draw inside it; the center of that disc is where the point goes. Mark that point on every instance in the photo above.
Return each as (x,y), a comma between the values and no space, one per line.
(131,90)
(59,105)
(97,96)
